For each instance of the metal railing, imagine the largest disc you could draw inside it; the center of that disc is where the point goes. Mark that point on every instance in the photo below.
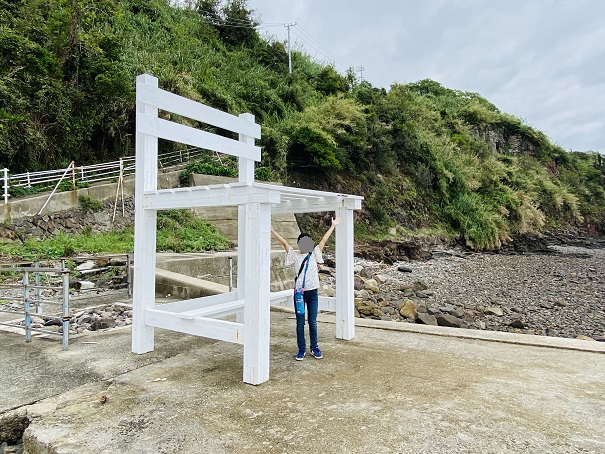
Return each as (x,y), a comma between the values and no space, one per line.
(36,300)
(52,279)
(79,175)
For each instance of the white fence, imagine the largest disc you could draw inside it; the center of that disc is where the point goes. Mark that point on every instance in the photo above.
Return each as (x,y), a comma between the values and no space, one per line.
(78,175)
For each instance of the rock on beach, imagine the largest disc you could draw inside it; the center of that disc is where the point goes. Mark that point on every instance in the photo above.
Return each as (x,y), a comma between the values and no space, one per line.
(557,291)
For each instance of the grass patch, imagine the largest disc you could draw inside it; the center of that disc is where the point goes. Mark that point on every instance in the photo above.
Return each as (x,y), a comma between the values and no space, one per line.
(178,231)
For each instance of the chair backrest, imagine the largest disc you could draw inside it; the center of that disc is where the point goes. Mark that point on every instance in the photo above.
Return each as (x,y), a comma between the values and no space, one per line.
(149,95)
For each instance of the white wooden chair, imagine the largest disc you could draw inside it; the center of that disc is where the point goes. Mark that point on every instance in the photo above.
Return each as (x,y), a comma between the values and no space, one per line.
(256,202)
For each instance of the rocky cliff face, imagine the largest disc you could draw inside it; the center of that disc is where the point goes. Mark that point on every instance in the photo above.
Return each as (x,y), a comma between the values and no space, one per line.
(499,141)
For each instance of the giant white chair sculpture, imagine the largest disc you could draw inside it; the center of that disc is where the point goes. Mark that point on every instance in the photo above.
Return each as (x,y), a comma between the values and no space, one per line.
(256,201)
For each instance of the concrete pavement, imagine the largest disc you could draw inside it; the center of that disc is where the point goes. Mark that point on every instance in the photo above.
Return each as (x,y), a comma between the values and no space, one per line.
(387,390)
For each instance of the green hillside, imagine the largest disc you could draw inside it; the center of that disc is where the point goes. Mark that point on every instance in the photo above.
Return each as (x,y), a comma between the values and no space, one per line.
(427,158)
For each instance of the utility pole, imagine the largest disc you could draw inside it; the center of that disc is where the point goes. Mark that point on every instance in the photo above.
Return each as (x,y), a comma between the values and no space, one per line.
(361,69)
(289,47)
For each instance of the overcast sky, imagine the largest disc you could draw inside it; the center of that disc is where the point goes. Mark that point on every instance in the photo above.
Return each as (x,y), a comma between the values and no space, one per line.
(540,60)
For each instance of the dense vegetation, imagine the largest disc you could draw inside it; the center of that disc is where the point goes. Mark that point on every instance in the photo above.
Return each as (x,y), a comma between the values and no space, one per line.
(424,156)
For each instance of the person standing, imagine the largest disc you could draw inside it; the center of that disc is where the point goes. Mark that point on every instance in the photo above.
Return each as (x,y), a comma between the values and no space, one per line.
(311,280)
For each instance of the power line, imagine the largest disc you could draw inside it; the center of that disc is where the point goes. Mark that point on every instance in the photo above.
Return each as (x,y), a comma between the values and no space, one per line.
(330,57)
(326,51)
(302,35)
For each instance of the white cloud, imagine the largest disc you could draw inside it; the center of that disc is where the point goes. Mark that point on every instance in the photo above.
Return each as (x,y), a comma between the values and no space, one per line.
(543,61)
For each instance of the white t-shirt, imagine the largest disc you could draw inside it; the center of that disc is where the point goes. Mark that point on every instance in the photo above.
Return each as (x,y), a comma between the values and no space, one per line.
(296,258)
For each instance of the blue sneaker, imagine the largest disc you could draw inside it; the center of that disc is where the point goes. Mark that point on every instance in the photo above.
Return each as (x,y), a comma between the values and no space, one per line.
(300,355)
(316,353)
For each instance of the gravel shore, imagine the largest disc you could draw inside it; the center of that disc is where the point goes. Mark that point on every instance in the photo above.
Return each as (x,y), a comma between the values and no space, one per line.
(558,293)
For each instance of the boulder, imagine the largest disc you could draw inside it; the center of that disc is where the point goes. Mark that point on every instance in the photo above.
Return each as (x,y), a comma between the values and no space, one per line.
(516,323)
(383,278)
(426,319)
(408,309)
(448,320)
(365,273)
(372,285)
(328,291)
(494,311)
(365,307)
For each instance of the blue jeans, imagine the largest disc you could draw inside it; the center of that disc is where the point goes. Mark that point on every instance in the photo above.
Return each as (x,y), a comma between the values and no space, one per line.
(310,297)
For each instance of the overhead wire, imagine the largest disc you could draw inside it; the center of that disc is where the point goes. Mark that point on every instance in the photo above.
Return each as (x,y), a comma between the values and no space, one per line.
(302,35)
(325,50)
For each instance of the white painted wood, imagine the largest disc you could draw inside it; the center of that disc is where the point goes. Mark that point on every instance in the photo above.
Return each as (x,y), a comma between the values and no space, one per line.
(345,289)
(281,295)
(144,226)
(197,303)
(165,100)
(308,205)
(207,327)
(246,166)
(176,132)
(301,192)
(284,298)
(327,303)
(169,199)
(353,203)
(257,248)
(215,310)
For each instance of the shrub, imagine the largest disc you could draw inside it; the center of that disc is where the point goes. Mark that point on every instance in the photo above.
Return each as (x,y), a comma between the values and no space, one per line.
(310,147)
(206,168)
(88,203)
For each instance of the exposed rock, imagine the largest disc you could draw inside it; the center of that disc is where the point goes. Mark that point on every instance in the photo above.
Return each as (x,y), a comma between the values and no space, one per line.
(517,323)
(372,285)
(426,319)
(383,278)
(408,309)
(103,323)
(494,311)
(448,320)
(12,425)
(328,291)
(365,273)
(364,307)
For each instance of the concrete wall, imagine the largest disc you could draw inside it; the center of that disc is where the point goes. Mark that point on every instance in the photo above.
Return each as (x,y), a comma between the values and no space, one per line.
(215,267)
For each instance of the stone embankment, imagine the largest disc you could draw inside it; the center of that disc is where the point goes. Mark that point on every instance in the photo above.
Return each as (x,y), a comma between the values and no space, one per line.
(72,221)
(556,292)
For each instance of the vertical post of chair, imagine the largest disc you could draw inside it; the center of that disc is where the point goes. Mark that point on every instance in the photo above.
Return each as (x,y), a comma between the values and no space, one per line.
(245,175)
(345,287)
(145,222)
(257,259)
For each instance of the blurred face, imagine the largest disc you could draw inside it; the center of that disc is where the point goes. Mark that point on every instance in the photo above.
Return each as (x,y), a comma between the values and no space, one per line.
(305,244)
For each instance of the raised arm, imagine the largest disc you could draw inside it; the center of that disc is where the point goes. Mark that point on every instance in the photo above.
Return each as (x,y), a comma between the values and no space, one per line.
(280,239)
(322,243)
